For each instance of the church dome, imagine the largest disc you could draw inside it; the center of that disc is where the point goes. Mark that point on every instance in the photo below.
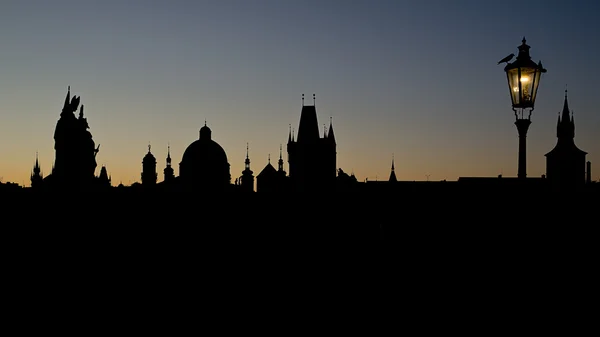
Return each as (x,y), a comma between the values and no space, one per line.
(149,158)
(204,162)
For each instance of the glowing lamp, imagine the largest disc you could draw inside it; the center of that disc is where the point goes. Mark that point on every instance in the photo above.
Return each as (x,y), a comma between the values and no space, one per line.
(523,79)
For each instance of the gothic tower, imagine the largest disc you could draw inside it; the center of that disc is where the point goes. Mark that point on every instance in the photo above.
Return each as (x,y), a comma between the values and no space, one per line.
(149,174)
(247,183)
(104,179)
(565,164)
(168,172)
(312,159)
(36,174)
(393,173)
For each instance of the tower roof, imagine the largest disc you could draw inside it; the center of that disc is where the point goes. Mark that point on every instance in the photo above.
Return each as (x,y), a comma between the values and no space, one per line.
(308,129)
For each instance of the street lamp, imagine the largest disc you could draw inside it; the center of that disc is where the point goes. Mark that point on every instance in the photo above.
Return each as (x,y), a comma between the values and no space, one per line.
(523,77)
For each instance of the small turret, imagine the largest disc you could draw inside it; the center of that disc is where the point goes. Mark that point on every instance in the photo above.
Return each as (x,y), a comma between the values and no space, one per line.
(149,174)
(168,172)
(247,179)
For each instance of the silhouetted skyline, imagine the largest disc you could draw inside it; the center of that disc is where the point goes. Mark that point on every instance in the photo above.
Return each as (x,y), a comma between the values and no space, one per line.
(416,82)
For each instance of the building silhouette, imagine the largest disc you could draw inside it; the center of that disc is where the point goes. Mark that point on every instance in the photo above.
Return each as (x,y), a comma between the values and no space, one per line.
(204,164)
(312,158)
(312,167)
(36,174)
(168,172)
(149,174)
(565,163)
(247,178)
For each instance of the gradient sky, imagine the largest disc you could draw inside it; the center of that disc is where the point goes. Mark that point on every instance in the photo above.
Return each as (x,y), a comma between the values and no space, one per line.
(417,80)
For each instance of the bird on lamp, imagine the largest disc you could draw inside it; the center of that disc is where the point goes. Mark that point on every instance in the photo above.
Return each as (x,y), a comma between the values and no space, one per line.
(506,59)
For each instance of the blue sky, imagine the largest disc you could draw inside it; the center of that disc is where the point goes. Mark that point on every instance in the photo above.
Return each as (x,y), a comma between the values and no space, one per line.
(418,80)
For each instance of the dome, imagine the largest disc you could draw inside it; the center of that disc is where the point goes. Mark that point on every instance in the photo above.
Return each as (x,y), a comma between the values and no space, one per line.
(149,158)
(204,162)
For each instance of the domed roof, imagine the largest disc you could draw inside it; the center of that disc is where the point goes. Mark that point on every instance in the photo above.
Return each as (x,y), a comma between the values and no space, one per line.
(204,159)
(204,151)
(149,157)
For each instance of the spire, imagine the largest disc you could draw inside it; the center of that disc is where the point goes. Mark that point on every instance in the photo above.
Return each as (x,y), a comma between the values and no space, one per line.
(247,161)
(565,127)
(269,158)
(280,161)
(149,146)
(393,172)
(168,155)
(290,134)
(302,99)
(36,167)
(565,111)
(314,100)
(331,135)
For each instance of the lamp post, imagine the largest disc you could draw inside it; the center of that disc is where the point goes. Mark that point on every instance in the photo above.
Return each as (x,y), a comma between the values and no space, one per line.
(523,77)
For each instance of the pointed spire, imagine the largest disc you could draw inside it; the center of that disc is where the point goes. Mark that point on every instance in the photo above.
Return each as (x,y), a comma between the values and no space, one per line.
(565,127)
(302,99)
(247,161)
(331,135)
(168,155)
(565,112)
(393,171)
(314,100)
(269,158)
(149,146)
(280,161)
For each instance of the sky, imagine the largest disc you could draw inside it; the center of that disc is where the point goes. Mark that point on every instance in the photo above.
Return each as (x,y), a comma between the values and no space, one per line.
(416,81)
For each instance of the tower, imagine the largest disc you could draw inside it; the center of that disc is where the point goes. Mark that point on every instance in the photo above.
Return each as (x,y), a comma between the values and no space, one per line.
(168,171)
(393,173)
(247,183)
(36,174)
(312,159)
(565,164)
(149,174)
(280,169)
(103,178)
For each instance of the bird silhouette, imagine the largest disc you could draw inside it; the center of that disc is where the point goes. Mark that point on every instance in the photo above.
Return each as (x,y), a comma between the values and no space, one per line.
(506,59)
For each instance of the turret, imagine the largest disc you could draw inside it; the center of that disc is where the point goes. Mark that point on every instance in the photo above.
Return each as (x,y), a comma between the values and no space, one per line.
(247,179)
(169,173)
(149,174)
